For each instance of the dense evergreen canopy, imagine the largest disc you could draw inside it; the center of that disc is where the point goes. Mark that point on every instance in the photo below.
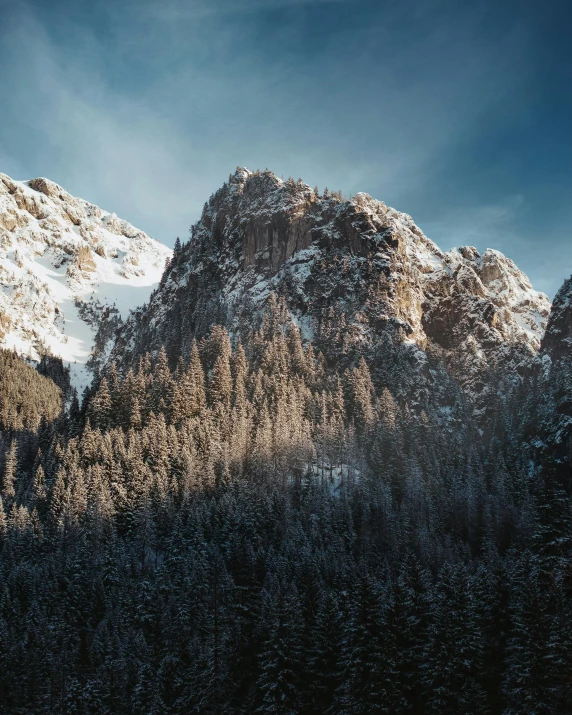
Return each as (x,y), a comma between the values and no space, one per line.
(255,530)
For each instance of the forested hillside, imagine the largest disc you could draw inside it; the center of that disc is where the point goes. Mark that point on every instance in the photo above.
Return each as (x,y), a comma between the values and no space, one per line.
(259,529)
(26,398)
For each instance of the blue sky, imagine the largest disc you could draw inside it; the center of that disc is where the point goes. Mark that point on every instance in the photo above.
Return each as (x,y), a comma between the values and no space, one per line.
(458,113)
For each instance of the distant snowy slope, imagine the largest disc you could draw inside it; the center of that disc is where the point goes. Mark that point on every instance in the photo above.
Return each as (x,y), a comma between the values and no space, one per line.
(64,265)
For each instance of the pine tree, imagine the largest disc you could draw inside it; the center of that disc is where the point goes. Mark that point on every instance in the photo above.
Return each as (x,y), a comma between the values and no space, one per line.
(57,503)
(74,417)
(452,664)
(361,688)
(527,685)
(220,386)
(553,535)
(325,653)
(162,382)
(361,393)
(100,407)
(10,473)
(281,658)
(197,397)
(240,376)
(408,617)
(3,522)
(559,646)
(39,487)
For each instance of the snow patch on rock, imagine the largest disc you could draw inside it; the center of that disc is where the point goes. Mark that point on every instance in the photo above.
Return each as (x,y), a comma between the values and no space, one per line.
(57,252)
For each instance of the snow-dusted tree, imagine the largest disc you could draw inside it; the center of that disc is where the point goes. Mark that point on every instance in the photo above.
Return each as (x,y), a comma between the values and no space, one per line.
(10,473)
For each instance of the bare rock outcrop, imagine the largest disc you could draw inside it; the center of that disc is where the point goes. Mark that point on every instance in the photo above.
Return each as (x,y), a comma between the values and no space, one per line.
(355,275)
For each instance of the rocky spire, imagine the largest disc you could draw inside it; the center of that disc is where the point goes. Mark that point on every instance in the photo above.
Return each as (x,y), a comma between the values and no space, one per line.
(354,273)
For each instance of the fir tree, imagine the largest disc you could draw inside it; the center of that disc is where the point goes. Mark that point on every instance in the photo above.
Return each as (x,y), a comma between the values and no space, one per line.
(10,473)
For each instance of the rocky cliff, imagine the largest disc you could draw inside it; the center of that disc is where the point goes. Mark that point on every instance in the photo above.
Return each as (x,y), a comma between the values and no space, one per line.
(356,276)
(557,340)
(547,403)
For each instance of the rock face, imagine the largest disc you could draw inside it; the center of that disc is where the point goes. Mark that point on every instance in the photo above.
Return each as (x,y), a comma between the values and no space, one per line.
(548,426)
(557,341)
(63,264)
(356,277)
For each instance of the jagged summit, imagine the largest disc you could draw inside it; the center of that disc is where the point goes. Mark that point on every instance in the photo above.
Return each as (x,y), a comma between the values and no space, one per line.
(354,273)
(64,264)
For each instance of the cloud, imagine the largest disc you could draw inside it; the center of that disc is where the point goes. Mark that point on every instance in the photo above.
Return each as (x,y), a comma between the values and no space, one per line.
(510,227)
(148,118)
(108,148)
(177,10)
(482,226)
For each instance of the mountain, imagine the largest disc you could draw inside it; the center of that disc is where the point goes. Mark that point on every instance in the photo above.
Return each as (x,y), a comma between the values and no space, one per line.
(66,266)
(557,341)
(548,431)
(357,277)
(325,470)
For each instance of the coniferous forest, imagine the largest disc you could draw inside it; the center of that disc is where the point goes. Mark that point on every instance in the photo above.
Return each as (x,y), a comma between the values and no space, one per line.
(252,528)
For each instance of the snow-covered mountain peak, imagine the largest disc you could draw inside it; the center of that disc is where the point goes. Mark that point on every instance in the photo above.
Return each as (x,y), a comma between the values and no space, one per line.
(64,265)
(354,273)
(520,313)
(356,276)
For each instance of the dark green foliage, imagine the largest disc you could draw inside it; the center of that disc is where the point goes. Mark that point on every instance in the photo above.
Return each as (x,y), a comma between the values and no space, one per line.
(26,398)
(252,530)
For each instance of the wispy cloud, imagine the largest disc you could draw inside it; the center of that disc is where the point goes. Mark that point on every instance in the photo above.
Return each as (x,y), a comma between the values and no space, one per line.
(509,226)
(112,149)
(372,110)
(173,10)
(482,226)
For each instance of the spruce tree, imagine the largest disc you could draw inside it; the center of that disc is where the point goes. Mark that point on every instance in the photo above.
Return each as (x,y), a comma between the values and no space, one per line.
(10,473)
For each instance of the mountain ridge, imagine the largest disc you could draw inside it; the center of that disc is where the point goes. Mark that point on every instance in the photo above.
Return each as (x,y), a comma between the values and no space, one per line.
(352,273)
(66,264)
